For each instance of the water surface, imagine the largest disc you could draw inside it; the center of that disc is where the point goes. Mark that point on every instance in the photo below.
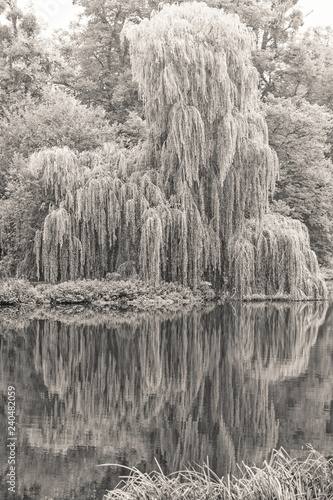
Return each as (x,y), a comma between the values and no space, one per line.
(229,383)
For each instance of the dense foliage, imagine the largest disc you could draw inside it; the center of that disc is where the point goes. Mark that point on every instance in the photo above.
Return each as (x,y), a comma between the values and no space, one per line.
(127,293)
(185,194)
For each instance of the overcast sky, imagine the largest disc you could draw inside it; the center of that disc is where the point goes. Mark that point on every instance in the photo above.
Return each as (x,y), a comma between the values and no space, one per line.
(322,14)
(55,13)
(59,13)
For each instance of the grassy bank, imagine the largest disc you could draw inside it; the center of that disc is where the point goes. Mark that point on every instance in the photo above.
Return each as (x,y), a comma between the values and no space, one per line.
(282,478)
(121,294)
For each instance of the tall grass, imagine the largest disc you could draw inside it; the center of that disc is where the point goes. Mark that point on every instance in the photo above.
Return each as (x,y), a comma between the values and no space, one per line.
(283,477)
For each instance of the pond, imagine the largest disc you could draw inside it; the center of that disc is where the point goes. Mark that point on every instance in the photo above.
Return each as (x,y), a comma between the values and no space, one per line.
(228,382)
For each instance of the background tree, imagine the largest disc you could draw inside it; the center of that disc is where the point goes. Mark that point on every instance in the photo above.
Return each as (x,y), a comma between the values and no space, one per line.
(25,69)
(57,120)
(298,133)
(302,117)
(275,24)
(95,65)
(25,64)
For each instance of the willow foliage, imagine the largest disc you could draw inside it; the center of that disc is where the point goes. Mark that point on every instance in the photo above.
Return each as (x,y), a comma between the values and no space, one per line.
(192,202)
(193,66)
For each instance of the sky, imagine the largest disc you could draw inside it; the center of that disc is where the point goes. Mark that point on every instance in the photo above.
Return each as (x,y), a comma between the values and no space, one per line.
(55,13)
(320,12)
(59,13)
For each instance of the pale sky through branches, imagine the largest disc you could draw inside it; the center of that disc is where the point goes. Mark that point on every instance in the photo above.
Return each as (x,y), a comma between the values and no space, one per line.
(59,13)
(320,12)
(55,13)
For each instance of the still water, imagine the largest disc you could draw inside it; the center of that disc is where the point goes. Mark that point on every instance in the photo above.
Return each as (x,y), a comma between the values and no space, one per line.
(229,383)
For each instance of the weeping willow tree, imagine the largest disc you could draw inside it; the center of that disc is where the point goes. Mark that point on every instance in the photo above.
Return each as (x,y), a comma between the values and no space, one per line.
(100,215)
(193,201)
(209,139)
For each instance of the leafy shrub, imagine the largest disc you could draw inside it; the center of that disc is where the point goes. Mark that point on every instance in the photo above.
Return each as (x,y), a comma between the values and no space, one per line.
(132,292)
(16,291)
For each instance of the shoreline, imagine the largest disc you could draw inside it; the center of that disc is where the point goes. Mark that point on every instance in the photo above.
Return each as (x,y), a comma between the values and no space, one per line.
(123,295)
(131,294)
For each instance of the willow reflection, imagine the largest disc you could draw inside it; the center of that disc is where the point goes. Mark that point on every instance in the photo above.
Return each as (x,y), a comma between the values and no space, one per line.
(178,387)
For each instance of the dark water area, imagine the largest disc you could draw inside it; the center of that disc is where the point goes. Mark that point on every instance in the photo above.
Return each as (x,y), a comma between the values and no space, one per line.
(229,383)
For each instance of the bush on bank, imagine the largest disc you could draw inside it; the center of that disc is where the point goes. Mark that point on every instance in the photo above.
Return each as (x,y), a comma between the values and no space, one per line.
(280,479)
(14,292)
(116,293)
(131,293)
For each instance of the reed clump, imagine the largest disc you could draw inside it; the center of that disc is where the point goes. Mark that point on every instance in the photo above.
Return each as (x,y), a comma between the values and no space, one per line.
(283,477)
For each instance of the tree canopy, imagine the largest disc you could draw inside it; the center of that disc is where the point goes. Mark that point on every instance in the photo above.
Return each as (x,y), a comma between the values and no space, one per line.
(25,64)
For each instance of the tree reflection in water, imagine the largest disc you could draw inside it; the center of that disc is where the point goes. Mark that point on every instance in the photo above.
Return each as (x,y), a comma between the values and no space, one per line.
(180,387)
